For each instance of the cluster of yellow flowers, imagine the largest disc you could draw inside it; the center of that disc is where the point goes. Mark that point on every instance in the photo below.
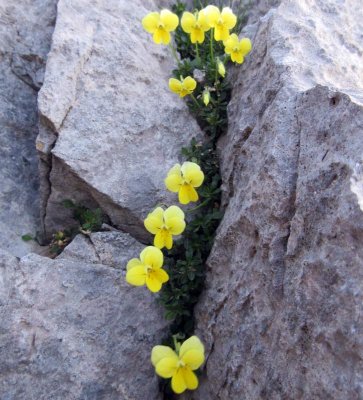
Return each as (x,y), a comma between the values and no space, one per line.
(164,224)
(148,270)
(210,18)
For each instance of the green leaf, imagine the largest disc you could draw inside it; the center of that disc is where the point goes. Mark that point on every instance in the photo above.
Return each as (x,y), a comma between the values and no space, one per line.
(27,237)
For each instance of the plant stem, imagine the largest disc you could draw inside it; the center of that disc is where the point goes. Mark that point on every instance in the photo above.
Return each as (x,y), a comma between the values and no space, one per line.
(176,344)
(211,44)
(195,100)
(197,50)
(173,51)
(199,206)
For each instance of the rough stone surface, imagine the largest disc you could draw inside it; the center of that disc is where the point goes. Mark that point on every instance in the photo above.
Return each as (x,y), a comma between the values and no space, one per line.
(108,248)
(25,33)
(110,127)
(281,315)
(74,329)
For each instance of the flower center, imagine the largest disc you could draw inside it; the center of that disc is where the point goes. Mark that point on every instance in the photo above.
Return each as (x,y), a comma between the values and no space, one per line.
(235,50)
(148,269)
(181,364)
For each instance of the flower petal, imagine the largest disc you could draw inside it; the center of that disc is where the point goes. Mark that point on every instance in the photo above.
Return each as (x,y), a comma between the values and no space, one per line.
(197,36)
(166,368)
(154,221)
(237,57)
(188,22)
(189,83)
(193,343)
(152,256)
(187,194)
(230,43)
(221,32)
(176,169)
(203,22)
(136,276)
(160,352)
(173,212)
(193,358)
(150,22)
(169,19)
(153,283)
(168,240)
(178,383)
(192,173)
(134,262)
(173,182)
(245,46)
(190,378)
(161,36)
(159,239)
(161,275)
(212,14)
(228,18)
(175,225)
(175,85)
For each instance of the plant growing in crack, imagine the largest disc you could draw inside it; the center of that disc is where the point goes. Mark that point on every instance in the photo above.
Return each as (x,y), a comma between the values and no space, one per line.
(88,221)
(205,43)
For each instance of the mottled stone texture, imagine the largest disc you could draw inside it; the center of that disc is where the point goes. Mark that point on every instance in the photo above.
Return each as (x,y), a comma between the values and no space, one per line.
(25,34)
(110,127)
(74,329)
(281,315)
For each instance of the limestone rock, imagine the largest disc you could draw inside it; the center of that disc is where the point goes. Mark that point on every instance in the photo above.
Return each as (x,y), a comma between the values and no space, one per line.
(25,32)
(74,329)
(110,127)
(281,315)
(114,249)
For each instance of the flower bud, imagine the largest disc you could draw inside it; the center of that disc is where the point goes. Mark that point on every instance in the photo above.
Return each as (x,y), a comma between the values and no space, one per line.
(206,97)
(221,68)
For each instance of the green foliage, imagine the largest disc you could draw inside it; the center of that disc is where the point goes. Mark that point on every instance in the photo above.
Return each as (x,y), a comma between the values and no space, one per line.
(27,237)
(202,60)
(186,260)
(89,220)
(60,240)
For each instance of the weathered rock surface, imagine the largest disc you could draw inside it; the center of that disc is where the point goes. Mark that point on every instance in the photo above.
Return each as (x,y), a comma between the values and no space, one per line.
(73,329)
(25,34)
(110,126)
(108,248)
(282,312)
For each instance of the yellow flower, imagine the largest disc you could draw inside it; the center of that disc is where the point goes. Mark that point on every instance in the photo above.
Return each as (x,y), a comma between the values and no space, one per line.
(165,224)
(183,179)
(160,25)
(237,49)
(182,87)
(196,25)
(179,367)
(222,22)
(206,97)
(221,68)
(147,270)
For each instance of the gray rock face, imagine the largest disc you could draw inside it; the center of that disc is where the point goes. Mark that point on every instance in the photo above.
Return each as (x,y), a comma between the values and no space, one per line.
(111,128)
(108,248)
(281,315)
(74,329)
(25,33)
